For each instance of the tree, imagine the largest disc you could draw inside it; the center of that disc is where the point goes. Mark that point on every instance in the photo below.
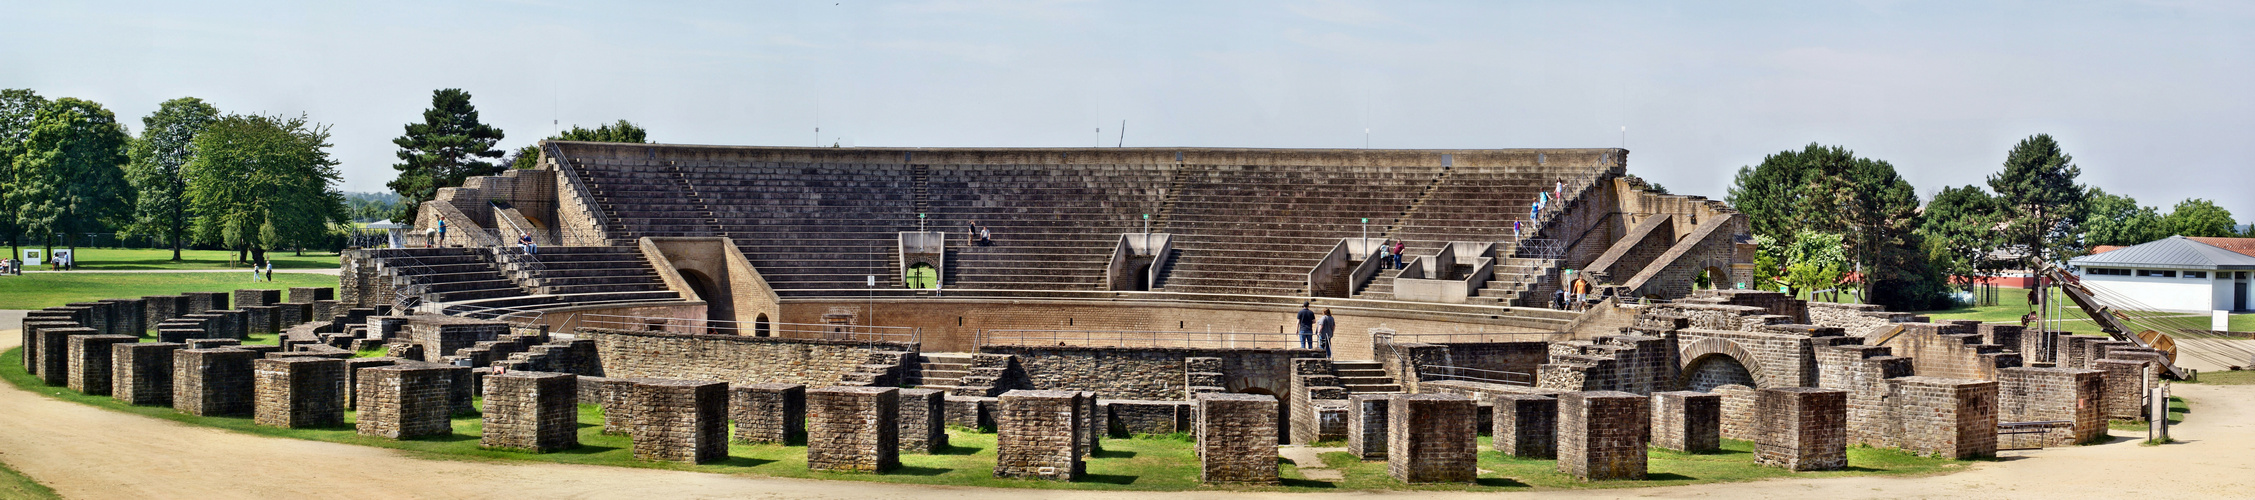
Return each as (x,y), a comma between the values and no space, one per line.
(2042,203)
(2110,219)
(70,172)
(18,107)
(447,146)
(1817,261)
(1828,189)
(2198,217)
(623,131)
(259,183)
(1959,227)
(167,143)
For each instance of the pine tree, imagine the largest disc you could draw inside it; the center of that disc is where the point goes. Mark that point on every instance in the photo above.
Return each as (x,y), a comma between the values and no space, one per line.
(447,146)
(167,143)
(2041,200)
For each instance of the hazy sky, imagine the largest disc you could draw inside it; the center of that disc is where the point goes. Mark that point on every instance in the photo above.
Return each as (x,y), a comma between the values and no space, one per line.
(2154,99)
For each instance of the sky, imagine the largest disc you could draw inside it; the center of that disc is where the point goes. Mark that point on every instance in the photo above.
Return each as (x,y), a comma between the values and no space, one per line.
(2152,98)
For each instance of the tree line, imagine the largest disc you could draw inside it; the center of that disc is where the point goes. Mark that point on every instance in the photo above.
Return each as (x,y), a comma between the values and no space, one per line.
(1824,218)
(451,144)
(194,176)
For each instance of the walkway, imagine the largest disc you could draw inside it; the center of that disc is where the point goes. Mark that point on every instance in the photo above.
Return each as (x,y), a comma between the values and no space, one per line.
(84,452)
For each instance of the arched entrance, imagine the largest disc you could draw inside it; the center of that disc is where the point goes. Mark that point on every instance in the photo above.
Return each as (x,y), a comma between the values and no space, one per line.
(760,326)
(1713,362)
(922,276)
(1142,276)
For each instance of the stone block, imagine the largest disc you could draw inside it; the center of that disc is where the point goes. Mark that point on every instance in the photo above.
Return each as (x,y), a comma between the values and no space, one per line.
(405,401)
(769,413)
(2052,394)
(261,319)
(2125,387)
(612,394)
(54,352)
(1135,417)
(1429,439)
(307,294)
(1526,425)
(100,316)
(34,361)
(976,412)
(680,420)
(212,382)
(853,429)
(1366,426)
(89,362)
(352,376)
(129,316)
(1237,438)
(179,335)
(158,308)
(1685,421)
(1601,435)
(289,314)
(1803,428)
(1092,424)
(299,392)
(255,297)
(923,421)
(141,373)
(1739,420)
(199,302)
(1944,417)
(1037,435)
(531,411)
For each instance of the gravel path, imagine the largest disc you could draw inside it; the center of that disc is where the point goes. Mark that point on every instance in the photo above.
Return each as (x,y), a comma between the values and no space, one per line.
(85,452)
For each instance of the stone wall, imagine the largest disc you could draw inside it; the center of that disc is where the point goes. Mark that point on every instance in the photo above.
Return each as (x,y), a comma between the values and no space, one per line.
(2052,394)
(299,392)
(1689,422)
(1860,320)
(2125,387)
(1601,435)
(1429,439)
(442,336)
(853,429)
(1036,435)
(1237,438)
(89,362)
(404,401)
(923,421)
(212,382)
(679,420)
(1740,421)
(1863,371)
(141,373)
(1952,351)
(769,413)
(1803,428)
(1366,425)
(531,411)
(731,359)
(952,324)
(1139,417)
(1944,417)
(1149,373)
(1526,426)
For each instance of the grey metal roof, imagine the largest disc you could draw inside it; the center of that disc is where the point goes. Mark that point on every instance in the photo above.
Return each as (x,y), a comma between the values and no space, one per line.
(2170,252)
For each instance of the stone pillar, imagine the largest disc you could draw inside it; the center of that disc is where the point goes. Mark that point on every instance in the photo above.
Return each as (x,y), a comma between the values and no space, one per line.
(54,352)
(1526,425)
(1429,439)
(212,382)
(100,316)
(352,376)
(680,420)
(34,362)
(129,316)
(300,392)
(1091,424)
(1366,426)
(2052,394)
(89,364)
(289,314)
(531,411)
(256,297)
(769,413)
(975,412)
(141,373)
(1685,421)
(307,294)
(404,401)
(1944,417)
(1037,435)
(2125,388)
(1237,438)
(618,416)
(853,429)
(206,301)
(260,319)
(1601,434)
(158,308)
(923,425)
(1803,428)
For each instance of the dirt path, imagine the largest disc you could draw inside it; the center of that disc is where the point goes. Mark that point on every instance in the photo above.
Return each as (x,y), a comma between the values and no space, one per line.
(84,452)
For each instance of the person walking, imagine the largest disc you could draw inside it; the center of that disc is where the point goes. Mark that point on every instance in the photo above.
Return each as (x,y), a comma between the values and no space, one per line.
(1323,330)
(1385,255)
(1307,326)
(1397,254)
(442,232)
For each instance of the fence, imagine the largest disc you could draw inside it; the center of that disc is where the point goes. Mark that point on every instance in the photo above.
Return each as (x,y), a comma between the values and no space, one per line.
(1446,372)
(1139,338)
(822,331)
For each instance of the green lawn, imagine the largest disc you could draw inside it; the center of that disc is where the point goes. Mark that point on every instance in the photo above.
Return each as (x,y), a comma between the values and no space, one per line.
(1152,463)
(2177,410)
(15,486)
(2013,302)
(143,259)
(39,290)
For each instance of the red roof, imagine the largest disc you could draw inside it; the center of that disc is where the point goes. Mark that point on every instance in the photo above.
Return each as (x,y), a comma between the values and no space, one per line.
(2105,248)
(2243,246)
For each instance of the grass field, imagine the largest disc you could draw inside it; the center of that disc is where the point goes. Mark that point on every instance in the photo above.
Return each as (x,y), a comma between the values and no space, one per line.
(14,485)
(38,290)
(2177,411)
(1151,463)
(143,259)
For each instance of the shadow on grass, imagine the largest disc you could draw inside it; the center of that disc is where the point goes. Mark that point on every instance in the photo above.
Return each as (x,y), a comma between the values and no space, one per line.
(1108,479)
(586,449)
(1308,483)
(448,438)
(963,450)
(741,461)
(1667,476)
(1113,454)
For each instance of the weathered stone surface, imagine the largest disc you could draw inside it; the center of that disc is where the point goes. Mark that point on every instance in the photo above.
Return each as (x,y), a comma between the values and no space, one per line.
(769,413)
(352,376)
(1366,426)
(976,412)
(256,297)
(405,401)
(307,294)
(199,302)
(2125,387)
(1526,425)
(1237,438)
(1601,435)
(1429,439)
(1686,421)
(89,362)
(1803,428)
(212,382)
(141,373)
(853,429)
(532,411)
(299,392)
(1944,417)
(35,355)
(680,420)
(923,421)
(1137,417)
(2052,394)
(129,316)
(1036,435)
(54,352)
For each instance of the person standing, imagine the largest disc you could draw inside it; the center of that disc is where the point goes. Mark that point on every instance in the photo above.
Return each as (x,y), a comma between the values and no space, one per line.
(971,233)
(1559,191)
(1307,326)
(1397,254)
(1385,255)
(442,232)
(1323,330)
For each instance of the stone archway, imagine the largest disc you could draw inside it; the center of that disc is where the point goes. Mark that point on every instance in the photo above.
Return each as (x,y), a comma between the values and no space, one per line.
(1712,362)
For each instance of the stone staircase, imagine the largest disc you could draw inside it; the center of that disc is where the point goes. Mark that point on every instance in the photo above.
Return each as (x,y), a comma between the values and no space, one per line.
(942,371)
(1521,282)
(1365,377)
(1381,287)
(882,369)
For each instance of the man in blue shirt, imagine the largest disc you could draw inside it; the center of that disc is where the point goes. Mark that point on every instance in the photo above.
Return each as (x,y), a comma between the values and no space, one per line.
(1307,326)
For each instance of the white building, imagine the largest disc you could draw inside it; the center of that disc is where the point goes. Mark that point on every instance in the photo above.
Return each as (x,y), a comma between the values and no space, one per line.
(2178,274)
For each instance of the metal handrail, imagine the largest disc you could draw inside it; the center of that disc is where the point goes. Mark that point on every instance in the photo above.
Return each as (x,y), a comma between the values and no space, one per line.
(1476,375)
(823,331)
(1137,338)
(586,199)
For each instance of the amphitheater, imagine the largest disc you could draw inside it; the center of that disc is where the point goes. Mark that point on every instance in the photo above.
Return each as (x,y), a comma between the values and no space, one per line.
(834,297)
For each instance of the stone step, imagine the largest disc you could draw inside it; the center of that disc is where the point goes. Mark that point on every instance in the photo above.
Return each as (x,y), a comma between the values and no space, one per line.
(1373,388)
(1366,380)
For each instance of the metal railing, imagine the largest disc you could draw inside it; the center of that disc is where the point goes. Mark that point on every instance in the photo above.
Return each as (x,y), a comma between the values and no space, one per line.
(1139,338)
(820,331)
(1467,337)
(1446,372)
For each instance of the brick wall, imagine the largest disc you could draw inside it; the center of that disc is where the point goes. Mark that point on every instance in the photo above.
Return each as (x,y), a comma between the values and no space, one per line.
(1602,435)
(923,421)
(769,413)
(1149,373)
(141,373)
(1366,425)
(1237,438)
(299,392)
(1740,421)
(953,324)
(404,401)
(1429,438)
(1802,428)
(1036,435)
(1863,371)
(212,382)
(2052,394)
(89,361)
(679,420)
(853,429)
(1139,417)
(728,358)
(1944,417)
(2125,387)
(1687,421)
(531,411)
(1525,425)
